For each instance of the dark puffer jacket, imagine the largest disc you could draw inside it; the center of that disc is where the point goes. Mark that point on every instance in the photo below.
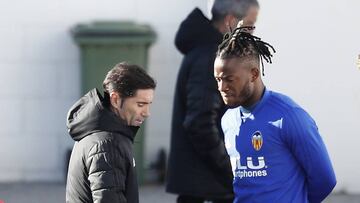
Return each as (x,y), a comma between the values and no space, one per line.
(101,167)
(198,162)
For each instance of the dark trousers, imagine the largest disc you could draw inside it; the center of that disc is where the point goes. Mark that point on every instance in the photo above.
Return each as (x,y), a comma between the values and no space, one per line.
(192,199)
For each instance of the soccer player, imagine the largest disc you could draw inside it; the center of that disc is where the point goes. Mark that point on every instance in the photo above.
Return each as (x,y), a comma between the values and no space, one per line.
(276,151)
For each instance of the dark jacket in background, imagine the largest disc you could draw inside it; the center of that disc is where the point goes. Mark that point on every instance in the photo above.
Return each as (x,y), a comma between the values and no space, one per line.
(101,167)
(198,162)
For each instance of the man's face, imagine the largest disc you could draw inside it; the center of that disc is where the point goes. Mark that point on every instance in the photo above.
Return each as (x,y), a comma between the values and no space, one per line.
(251,17)
(136,109)
(234,79)
(249,20)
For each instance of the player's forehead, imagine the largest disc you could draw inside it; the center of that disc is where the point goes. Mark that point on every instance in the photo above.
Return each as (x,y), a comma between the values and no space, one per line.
(225,66)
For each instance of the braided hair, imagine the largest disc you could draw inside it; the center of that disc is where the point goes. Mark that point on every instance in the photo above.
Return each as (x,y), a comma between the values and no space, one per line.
(240,43)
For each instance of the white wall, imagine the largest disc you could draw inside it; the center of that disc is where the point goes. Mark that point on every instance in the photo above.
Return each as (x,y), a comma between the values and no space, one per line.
(317,44)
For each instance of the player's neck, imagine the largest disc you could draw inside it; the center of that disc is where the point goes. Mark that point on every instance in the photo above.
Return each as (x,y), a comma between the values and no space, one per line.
(256,97)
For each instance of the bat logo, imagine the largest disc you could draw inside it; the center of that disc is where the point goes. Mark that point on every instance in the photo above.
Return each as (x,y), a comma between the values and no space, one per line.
(257,140)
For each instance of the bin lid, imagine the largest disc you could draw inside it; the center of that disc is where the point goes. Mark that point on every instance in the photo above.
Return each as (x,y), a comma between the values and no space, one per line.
(114,31)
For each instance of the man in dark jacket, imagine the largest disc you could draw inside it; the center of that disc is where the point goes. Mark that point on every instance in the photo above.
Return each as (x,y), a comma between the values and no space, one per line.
(199,168)
(102,167)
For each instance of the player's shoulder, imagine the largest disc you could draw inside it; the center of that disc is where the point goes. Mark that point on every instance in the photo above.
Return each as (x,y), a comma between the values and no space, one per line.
(282,102)
(288,106)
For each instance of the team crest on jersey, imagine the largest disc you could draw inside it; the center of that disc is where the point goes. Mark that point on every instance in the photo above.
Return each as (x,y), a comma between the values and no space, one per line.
(257,140)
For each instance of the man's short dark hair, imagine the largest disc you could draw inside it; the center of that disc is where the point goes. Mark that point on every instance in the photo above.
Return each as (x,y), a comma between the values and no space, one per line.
(238,8)
(126,79)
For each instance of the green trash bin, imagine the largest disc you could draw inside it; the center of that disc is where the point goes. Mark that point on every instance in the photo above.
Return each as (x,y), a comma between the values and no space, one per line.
(104,44)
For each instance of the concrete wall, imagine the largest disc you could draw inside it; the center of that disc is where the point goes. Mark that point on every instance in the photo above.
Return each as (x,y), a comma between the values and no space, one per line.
(317,44)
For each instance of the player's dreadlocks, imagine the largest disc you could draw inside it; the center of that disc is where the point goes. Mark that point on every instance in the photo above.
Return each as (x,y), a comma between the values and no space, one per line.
(240,43)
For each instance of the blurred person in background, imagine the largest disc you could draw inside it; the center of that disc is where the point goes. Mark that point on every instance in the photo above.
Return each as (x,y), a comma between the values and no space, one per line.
(102,165)
(199,168)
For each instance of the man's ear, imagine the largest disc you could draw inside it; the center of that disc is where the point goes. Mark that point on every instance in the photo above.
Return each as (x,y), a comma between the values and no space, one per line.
(230,22)
(114,100)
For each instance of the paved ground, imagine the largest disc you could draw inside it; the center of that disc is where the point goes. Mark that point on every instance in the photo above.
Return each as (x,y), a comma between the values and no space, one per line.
(55,193)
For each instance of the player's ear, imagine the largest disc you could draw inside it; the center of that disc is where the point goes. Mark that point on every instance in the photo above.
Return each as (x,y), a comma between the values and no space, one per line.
(255,74)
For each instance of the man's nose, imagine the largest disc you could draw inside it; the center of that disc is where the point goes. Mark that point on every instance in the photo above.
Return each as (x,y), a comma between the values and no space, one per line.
(146,112)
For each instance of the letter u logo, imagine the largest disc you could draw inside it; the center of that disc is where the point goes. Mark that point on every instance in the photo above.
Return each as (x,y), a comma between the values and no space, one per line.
(251,164)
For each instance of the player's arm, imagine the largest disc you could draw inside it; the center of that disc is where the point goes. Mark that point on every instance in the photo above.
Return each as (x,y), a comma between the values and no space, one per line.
(306,144)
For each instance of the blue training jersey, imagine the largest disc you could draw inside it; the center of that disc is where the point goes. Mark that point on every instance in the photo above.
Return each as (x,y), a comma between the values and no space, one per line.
(276,153)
